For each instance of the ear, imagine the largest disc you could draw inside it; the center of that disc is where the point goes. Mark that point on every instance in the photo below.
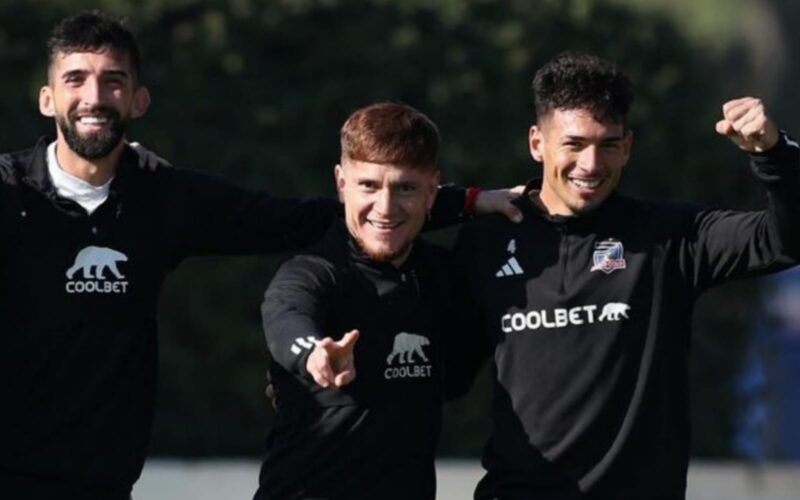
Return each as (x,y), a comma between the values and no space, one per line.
(536,143)
(338,173)
(433,189)
(141,102)
(46,105)
(627,145)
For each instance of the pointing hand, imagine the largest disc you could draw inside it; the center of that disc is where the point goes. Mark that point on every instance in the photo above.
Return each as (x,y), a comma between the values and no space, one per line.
(331,363)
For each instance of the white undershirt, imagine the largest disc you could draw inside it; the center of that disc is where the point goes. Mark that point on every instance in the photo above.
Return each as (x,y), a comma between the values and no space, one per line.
(73,188)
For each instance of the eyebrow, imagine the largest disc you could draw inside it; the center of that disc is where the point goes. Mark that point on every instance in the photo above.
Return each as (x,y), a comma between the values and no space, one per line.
(612,138)
(110,72)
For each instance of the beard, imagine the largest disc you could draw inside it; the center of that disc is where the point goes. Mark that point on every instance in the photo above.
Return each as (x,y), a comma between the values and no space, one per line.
(95,145)
(383,256)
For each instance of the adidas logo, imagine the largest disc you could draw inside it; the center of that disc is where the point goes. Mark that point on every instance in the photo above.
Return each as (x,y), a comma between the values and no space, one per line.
(511,267)
(301,343)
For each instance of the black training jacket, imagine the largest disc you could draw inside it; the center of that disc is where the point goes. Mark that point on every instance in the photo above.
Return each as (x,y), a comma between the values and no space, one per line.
(590,317)
(78,303)
(375,437)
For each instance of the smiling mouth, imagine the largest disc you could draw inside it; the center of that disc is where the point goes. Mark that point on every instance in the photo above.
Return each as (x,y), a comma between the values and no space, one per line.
(585,183)
(93,120)
(384,226)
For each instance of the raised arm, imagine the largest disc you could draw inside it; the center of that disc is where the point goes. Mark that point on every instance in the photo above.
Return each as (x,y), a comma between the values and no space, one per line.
(729,244)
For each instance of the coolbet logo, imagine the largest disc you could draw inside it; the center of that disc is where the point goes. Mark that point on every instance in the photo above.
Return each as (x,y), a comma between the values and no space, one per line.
(94,262)
(608,257)
(405,347)
(561,317)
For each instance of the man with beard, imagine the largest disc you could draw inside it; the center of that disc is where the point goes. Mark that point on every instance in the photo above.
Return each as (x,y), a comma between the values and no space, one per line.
(372,296)
(588,302)
(86,241)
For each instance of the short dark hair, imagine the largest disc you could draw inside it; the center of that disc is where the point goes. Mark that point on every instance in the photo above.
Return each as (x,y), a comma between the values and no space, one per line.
(389,132)
(93,31)
(574,80)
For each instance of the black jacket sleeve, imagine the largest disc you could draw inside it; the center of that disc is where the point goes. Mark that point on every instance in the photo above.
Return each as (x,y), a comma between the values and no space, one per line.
(467,346)
(9,206)
(448,209)
(294,311)
(727,244)
(206,215)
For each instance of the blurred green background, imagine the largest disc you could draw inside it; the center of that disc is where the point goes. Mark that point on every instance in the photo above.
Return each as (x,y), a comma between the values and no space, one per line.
(257,91)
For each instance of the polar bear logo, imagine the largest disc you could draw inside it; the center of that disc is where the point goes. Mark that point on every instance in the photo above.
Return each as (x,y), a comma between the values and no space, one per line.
(99,259)
(614,310)
(406,345)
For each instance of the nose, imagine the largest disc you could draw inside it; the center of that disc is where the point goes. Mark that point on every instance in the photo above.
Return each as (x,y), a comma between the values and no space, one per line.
(90,92)
(384,202)
(590,160)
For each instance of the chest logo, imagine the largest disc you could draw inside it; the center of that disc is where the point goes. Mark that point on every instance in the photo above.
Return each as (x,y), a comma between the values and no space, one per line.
(408,357)
(614,311)
(562,317)
(511,266)
(97,266)
(608,256)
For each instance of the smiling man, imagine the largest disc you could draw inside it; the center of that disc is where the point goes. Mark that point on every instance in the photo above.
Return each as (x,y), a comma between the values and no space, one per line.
(588,302)
(86,241)
(93,96)
(585,158)
(370,299)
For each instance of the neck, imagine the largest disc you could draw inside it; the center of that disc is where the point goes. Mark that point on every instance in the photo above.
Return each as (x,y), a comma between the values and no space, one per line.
(540,199)
(537,200)
(96,172)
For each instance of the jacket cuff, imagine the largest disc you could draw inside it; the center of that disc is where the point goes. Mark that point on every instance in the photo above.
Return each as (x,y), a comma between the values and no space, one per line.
(780,161)
(302,348)
(785,152)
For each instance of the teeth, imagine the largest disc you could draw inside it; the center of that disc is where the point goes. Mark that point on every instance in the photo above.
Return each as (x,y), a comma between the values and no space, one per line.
(93,120)
(588,184)
(383,225)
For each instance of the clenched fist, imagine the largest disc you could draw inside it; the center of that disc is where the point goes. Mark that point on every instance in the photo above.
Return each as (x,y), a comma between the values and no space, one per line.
(746,123)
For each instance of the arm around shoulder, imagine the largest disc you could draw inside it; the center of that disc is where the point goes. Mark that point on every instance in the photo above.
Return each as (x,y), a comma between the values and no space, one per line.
(214,216)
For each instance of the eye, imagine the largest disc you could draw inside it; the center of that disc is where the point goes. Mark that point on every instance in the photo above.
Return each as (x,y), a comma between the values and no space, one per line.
(367,185)
(406,188)
(115,82)
(73,79)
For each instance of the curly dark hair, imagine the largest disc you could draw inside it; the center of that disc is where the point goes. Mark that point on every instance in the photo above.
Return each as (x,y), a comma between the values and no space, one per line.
(574,80)
(93,31)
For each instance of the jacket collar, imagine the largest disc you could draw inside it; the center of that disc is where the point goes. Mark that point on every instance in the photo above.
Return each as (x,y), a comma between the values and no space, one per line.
(531,209)
(361,259)
(35,170)
(340,243)
(36,174)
